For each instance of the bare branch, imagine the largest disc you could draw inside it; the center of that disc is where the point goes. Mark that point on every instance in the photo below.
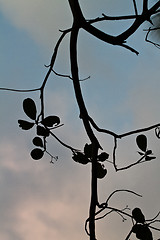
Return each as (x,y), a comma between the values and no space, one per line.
(129,234)
(50,70)
(114,153)
(154,228)
(129,48)
(123,134)
(145,5)
(151,220)
(149,41)
(132,164)
(111,18)
(54,57)
(61,75)
(122,190)
(62,143)
(20,90)
(67,76)
(139,131)
(138,22)
(135,7)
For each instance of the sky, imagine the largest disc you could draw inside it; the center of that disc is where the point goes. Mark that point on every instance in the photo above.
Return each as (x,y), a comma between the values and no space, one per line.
(39,200)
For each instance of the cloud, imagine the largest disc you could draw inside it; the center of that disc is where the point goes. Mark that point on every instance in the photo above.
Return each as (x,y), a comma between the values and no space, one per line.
(40,200)
(40,19)
(143,97)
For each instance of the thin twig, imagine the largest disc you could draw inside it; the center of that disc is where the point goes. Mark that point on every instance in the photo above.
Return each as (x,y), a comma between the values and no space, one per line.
(110,18)
(151,220)
(50,70)
(132,164)
(20,90)
(129,48)
(122,190)
(138,131)
(135,7)
(114,153)
(154,228)
(123,134)
(129,234)
(149,41)
(62,143)
(67,76)
(145,6)
(61,75)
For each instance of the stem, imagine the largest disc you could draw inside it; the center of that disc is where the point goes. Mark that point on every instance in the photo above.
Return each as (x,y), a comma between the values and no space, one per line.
(84,117)
(83,113)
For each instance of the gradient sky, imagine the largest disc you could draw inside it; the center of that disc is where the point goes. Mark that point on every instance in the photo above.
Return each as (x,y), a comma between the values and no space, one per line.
(39,200)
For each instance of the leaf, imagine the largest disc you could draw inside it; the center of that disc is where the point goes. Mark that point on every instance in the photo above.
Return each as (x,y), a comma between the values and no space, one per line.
(88,150)
(25,125)
(50,121)
(80,158)
(37,153)
(41,131)
(29,108)
(157,132)
(138,215)
(148,158)
(142,232)
(103,157)
(142,142)
(148,152)
(37,141)
(101,171)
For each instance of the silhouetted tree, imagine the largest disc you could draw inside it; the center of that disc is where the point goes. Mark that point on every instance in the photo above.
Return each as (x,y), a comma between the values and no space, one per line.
(93,152)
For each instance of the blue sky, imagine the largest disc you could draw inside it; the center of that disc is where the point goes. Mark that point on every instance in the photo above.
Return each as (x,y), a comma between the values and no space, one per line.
(43,201)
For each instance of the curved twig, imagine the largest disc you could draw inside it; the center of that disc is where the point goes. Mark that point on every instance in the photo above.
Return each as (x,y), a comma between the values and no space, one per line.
(149,41)
(122,190)
(20,90)
(62,143)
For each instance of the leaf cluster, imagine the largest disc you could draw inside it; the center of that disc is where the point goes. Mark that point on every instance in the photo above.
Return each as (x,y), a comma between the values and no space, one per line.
(43,127)
(141,229)
(86,157)
(146,154)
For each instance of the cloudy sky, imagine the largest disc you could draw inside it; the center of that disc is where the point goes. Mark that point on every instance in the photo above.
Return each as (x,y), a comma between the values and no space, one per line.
(39,200)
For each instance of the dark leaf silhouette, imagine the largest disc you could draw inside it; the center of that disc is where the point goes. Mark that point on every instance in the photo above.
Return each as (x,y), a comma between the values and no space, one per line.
(88,150)
(101,171)
(142,142)
(157,132)
(148,152)
(138,215)
(148,158)
(37,153)
(37,141)
(142,232)
(50,121)
(29,108)
(103,157)
(80,158)
(41,131)
(25,125)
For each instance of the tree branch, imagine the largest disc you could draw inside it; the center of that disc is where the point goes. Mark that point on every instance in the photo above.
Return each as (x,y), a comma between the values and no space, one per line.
(135,7)
(20,90)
